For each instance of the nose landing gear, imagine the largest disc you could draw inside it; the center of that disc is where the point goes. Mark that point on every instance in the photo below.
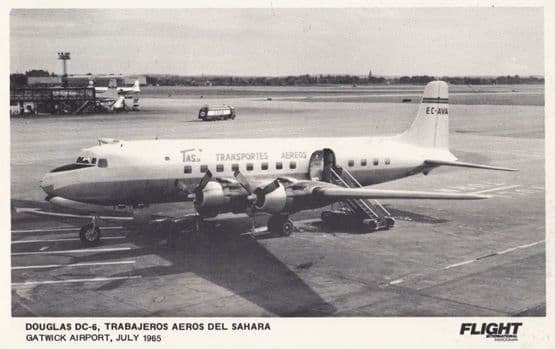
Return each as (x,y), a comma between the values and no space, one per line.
(90,233)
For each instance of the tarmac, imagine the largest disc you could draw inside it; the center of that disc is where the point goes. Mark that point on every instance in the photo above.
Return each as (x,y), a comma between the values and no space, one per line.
(468,258)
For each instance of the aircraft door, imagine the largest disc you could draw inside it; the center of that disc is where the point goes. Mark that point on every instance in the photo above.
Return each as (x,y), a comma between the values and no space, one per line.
(329,164)
(321,163)
(316,165)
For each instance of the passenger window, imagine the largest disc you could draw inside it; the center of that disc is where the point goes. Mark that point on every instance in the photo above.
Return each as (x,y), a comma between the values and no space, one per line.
(279,165)
(264,166)
(220,168)
(363,162)
(187,169)
(249,166)
(292,165)
(235,167)
(351,163)
(102,163)
(203,168)
(387,161)
(376,162)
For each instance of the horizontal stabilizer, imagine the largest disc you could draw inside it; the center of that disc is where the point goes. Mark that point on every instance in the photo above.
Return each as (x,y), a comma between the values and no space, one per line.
(366,193)
(465,164)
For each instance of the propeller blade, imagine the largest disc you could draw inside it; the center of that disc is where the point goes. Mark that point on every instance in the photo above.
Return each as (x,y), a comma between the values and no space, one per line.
(243,181)
(204,181)
(262,192)
(271,187)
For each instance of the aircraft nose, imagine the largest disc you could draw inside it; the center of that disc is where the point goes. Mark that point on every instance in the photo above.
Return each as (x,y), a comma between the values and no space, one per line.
(46,184)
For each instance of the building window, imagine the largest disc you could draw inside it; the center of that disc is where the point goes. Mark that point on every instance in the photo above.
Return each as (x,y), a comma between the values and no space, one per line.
(102,163)
(93,161)
(203,168)
(279,165)
(219,168)
(250,166)
(376,162)
(167,158)
(264,166)
(351,163)
(363,162)
(187,169)
(292,165)
(235,167)
(387,161)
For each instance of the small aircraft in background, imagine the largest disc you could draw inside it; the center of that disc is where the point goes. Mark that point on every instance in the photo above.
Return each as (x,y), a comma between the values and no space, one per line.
(114,97)
(112,85)
(265,175)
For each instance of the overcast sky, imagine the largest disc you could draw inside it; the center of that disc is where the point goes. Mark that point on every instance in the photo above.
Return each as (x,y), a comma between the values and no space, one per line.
(448,41)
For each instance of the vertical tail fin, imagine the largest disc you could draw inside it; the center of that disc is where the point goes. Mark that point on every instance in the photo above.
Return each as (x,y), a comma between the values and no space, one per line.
(431,126)
(136,86)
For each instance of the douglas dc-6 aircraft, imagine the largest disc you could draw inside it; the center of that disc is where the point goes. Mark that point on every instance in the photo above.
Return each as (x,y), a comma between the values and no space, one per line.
(269,175)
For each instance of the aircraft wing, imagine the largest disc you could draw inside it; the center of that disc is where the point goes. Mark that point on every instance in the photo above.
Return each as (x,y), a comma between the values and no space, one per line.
(341,193)
(465,164)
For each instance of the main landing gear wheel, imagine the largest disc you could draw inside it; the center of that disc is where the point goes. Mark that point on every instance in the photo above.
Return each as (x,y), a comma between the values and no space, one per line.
(89,234)
(281,225)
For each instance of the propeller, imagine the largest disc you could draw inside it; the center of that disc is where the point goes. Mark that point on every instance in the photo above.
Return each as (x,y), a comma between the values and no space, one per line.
(204,181)
(256,195)
(262,192)
(198,190)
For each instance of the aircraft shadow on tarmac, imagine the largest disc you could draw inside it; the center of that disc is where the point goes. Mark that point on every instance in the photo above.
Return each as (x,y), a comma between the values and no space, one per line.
(237,263)
(229,259)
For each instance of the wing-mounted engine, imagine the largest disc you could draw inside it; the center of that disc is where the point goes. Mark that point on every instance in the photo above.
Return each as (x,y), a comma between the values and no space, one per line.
(215,195)
(281,196)
(272,198)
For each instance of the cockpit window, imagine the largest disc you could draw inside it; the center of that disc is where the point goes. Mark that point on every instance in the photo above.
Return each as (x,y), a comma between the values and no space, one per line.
(102,163)
(85,160)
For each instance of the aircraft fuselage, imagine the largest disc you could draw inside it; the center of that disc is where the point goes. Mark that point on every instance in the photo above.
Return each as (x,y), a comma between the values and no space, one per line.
(157,171)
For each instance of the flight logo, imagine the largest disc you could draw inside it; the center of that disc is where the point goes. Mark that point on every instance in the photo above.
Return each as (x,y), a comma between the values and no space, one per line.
(437,111)
(190,156)
(499,331)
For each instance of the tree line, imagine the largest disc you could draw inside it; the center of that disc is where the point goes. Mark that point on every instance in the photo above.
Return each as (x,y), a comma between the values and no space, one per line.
(20,80)
(300,80)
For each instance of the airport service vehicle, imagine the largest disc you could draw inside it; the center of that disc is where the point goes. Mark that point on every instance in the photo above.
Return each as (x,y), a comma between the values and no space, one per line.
(208,113)
(274,176)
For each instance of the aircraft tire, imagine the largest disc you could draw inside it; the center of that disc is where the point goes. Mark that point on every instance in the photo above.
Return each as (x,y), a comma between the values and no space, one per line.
(89,234)
(286,227)
(282,225)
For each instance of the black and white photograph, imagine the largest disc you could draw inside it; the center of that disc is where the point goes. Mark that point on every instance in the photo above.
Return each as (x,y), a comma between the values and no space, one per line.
(278,162)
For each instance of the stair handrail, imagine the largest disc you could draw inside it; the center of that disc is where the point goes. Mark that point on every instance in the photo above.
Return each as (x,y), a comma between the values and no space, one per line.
(352,178)
(345,184)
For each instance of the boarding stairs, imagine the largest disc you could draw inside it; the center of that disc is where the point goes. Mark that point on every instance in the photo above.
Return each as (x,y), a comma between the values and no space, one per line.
(371,212)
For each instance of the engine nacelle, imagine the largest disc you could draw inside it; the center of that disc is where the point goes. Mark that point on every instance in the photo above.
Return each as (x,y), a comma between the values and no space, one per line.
(273,202)
(211,196)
